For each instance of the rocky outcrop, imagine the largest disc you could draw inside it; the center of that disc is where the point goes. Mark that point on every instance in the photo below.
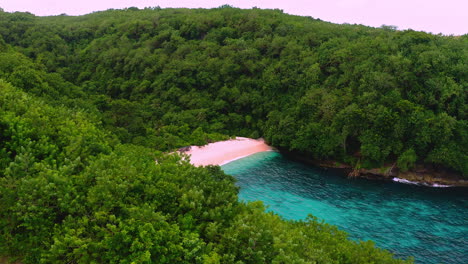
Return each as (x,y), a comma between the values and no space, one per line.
(421,174)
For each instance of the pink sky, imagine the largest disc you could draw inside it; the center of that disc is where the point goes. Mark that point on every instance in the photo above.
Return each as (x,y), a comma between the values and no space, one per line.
(436,16)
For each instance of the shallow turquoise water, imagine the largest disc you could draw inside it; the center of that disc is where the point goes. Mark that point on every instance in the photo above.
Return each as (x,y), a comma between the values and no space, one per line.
(430,224)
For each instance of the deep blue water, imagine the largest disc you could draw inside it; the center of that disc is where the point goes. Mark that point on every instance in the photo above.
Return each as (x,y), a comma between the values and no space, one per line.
(430,224)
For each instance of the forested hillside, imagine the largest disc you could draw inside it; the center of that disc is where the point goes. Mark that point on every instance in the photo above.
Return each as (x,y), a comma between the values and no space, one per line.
(174,77)
(70,192)
(88,103)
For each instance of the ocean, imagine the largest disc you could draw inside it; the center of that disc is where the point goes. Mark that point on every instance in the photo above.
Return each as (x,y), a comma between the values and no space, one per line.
(430,224)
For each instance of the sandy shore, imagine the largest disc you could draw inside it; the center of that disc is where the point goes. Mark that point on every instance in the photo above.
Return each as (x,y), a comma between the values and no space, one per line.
(223,152)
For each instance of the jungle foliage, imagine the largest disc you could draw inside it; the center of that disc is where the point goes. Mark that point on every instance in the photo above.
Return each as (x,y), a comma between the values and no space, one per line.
(70,192)
(88,103)
(166,78)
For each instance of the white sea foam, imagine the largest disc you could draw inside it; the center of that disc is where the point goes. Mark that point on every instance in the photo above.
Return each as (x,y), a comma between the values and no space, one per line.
(405,181)
(441,185)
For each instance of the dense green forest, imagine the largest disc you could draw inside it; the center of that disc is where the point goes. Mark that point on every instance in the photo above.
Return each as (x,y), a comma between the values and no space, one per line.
(175,77)
(88,103)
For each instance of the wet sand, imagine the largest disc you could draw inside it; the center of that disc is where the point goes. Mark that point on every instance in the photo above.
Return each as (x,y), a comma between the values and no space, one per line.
(223,152)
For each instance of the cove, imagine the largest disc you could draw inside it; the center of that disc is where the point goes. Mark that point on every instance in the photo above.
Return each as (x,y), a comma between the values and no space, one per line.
(430,224)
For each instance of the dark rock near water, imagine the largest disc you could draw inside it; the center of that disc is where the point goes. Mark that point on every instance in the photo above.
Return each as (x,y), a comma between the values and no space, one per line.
(421,174)
(185,149)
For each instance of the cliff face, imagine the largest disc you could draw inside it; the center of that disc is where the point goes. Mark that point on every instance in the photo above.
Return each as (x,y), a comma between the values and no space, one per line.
(418,175)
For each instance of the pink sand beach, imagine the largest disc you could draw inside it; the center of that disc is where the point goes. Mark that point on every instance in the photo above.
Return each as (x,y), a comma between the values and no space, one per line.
(223,152)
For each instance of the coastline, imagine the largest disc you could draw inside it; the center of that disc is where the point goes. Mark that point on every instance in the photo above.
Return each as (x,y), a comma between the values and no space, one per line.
(223,152)
(417,176)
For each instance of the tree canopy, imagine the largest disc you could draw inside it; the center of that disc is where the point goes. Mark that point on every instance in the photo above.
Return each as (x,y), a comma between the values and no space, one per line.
(71,193)
(165,78)
(88,104)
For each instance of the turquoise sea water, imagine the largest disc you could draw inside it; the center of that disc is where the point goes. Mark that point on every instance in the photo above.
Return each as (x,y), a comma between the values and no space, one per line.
(430,224)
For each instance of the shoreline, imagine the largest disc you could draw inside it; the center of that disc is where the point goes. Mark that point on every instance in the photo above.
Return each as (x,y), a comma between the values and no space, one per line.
(222,152)
(417,176)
